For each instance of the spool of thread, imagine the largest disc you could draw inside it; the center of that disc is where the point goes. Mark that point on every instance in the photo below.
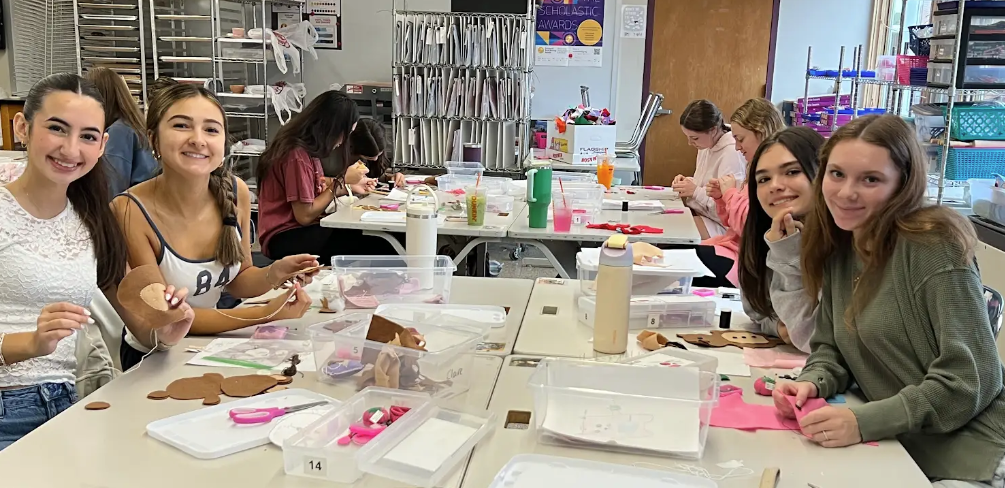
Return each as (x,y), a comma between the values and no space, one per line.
(724,317)
(624,212)
(472,153)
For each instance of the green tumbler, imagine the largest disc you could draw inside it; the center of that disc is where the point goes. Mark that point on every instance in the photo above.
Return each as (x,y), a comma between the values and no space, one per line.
(539,195)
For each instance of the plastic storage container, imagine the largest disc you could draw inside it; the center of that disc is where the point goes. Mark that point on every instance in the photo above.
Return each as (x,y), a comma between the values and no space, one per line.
(983,121)
(943,25)
(977,162)
(573,176)
(675,278)
(500,203)
(442,370)
(611,406)
(479,318)
(985,50)
(536,471)
(658,312)
(942,49)
(940,73)
(464,168)
(986,24)
(314,452)
(585,199)
(675,358)
(493,185)
(427,447)
(369,281)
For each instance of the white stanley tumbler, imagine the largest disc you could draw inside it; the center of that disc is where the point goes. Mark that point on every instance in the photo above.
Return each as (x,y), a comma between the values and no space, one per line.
(421,220)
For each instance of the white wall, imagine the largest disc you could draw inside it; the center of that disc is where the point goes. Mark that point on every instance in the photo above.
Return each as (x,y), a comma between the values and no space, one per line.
(825,25)
(366,56)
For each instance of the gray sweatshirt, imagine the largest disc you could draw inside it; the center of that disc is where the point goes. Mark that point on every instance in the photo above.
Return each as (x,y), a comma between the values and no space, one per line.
(788,297)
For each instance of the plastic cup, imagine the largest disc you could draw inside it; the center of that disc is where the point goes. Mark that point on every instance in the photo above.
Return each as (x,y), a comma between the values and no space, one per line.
(562,221)
(476,199)
(605,172)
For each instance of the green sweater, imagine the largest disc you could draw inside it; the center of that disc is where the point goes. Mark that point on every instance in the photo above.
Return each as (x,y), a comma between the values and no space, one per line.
(924,355)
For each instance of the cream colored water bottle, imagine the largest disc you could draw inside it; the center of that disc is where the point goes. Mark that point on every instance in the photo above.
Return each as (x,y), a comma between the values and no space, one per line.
(614,295)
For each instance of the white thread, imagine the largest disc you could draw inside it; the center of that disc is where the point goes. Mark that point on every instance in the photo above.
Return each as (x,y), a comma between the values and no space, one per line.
(700,471)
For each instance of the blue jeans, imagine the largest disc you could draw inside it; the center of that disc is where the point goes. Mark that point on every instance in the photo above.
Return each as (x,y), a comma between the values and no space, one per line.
(24,409)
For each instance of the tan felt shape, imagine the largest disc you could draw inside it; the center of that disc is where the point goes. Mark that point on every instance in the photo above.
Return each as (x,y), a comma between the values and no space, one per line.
(96,406)
(211,400)
(385,331)
(652,341)
(138,293)
(276,388)
(197,388)
(158,395)
(735,338)
(282,380)
(643,253)
(247,385)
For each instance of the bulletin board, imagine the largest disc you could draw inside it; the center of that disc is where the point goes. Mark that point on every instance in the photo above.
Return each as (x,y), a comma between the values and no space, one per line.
(326,17)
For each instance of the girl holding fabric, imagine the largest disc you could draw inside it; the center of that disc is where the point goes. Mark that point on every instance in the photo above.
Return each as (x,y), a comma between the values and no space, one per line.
(902,313)
(702,123)
(754,121)
(293,192)
(59,244)
(781,182)
(368,146)
(128,150)
(193,221)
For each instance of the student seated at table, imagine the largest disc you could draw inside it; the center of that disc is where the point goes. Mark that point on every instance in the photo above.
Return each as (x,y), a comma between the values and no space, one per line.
(705,130)
(781,182)
(59,244)
(367,144)
(902,313)
(128,151)
(193,221)
(750,124)
(293,192)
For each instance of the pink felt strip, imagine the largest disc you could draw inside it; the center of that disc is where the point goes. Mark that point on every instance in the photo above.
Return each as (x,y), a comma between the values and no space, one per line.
(733,413)
(770,358)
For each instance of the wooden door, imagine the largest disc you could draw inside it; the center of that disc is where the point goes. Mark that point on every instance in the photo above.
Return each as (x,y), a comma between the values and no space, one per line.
(714,49)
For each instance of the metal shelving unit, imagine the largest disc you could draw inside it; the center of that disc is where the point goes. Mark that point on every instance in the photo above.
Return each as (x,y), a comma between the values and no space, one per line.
(492,54)
(112,35)
(180,41)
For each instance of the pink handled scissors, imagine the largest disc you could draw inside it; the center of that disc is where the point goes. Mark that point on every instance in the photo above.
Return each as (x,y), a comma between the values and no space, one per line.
(245,416)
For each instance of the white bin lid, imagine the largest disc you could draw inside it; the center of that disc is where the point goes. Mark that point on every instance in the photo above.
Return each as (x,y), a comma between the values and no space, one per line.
(538,471)
(679,263)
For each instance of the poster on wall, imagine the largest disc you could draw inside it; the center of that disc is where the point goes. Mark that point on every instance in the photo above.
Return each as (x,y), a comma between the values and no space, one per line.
(570,33)
(326,17)
(286,16)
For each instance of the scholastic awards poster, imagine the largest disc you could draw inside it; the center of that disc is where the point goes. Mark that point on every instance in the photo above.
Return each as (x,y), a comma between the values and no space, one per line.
(570,33)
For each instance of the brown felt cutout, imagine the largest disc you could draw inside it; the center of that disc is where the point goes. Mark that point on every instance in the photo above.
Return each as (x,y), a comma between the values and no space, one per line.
(276,388)
(211,400)
(96,406)
(735,338)
(138,293)
(197,388)
(652,341)
(325,308)
(387,370)
(247,385)
(158,395)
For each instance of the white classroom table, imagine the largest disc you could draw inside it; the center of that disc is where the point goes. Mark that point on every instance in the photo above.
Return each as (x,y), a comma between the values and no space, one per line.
(801,462)
(495,228)
(464,290)
(110,448)
(561,334)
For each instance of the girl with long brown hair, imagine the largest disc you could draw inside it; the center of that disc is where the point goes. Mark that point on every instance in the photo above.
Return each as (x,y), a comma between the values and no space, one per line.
(193,221)
(58,246)
(901,313)
(128,151)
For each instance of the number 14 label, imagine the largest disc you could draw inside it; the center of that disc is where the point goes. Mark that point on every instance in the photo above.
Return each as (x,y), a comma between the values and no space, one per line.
(316,467)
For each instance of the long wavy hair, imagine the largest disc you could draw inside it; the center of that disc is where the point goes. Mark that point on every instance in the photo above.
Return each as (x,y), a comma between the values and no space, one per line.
(325,122)
(804,143)
(221,180)
(368,141)
(760,116)
(89,194)
(905,215)
(119,103)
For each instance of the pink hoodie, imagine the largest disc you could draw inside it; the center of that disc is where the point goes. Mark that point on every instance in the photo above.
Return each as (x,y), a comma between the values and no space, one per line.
(732,211)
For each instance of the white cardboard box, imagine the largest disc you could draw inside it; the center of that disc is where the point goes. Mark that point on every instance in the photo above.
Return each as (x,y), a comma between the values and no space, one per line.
(581,144)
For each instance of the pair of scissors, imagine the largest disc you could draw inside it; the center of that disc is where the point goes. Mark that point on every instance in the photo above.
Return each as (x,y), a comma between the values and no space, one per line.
(669,211)
(246,416)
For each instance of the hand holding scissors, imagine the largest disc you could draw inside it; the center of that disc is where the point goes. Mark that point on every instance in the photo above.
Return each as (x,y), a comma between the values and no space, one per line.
(246,416)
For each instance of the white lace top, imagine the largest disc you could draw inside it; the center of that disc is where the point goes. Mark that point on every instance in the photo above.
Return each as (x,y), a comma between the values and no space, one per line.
(42,262)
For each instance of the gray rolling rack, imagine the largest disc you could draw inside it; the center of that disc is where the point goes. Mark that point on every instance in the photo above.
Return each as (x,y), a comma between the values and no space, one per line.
(112,35)
(462,79)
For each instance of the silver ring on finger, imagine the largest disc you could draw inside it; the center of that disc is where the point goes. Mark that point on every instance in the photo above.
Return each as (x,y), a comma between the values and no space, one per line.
(826,437)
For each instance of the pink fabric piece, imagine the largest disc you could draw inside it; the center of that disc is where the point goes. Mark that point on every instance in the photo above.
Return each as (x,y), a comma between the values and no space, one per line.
(732,210)
(772,358)
(733,413)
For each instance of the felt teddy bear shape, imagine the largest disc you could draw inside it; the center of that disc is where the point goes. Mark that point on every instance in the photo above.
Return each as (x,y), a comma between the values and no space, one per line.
(735,338)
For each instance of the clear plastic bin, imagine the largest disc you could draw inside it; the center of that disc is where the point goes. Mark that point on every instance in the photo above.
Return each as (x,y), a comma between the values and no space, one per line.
(369,281)
(941,73)
(658,312)
(573,177)
(477,318)
(942,49)
(675,358)
(493,185)
(646,280)
(620,407)
(464,168)
(944,25)
(984,74)
(585,199)
(536,470)
(985,50)
(442,370)
(314,452)
(984,24)
(427,447)
(500,203)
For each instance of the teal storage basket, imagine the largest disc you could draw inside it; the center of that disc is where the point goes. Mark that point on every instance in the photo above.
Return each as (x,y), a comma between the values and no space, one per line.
(978,122)
(966,163)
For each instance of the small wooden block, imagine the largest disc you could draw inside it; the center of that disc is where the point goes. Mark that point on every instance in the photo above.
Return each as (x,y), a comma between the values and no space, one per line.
(96,406)
(158,395)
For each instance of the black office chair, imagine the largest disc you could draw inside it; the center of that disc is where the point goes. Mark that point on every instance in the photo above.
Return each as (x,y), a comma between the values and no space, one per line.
(994,300)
